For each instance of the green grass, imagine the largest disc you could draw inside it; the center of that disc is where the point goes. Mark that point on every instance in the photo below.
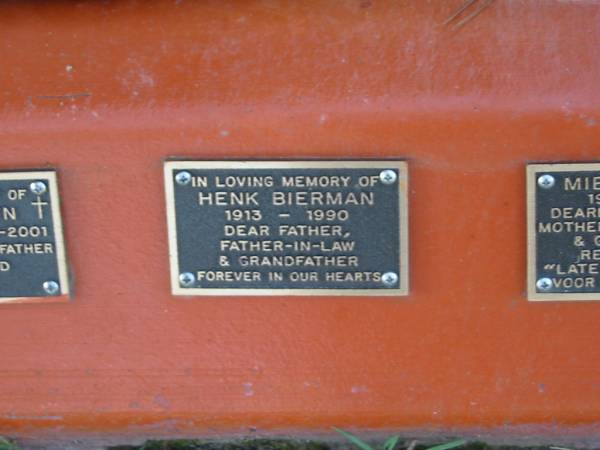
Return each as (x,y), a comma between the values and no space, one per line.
(392,442)
(5,444)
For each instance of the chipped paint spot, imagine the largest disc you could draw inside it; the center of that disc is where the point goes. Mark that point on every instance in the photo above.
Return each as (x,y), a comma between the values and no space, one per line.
(43,418)
(146,79)
(162,401)
(248,389)
(359,389)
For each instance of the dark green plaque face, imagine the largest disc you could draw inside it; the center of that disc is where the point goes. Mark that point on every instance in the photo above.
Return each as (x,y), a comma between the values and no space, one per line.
(32,257)
(564,231)
(287,228)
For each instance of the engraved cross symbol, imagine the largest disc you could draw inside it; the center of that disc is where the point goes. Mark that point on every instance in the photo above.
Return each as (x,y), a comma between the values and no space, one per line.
(40,207)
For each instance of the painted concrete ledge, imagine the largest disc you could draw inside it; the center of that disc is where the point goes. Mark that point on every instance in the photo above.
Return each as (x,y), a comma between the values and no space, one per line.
(105,91)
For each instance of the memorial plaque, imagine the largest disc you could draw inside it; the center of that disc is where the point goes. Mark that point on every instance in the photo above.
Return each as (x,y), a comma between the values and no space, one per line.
(32,254)
(563,231)
(287,228)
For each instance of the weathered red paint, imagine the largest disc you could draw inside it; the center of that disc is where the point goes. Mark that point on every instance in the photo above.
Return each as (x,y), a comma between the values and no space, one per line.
(105,91)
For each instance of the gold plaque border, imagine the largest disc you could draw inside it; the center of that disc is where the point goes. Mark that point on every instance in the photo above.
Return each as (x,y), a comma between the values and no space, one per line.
(401,166)
(532,169)
(63,278)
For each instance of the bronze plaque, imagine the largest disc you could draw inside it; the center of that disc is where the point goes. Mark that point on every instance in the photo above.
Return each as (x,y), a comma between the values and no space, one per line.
(287,228)
(32,252)
(563,231)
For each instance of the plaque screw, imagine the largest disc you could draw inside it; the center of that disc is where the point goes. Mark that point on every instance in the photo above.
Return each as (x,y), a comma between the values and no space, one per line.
(186,279)
(51,287)
(183,178)
(37,187)
(388,176)
(544,284)
(546,181)
(389,279)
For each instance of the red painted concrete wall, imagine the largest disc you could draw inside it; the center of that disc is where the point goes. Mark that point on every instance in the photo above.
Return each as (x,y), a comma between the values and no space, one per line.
(105,91)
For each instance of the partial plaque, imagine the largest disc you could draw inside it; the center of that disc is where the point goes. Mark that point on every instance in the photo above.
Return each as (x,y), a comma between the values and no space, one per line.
(287,228)
(32,254)
(563,231)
